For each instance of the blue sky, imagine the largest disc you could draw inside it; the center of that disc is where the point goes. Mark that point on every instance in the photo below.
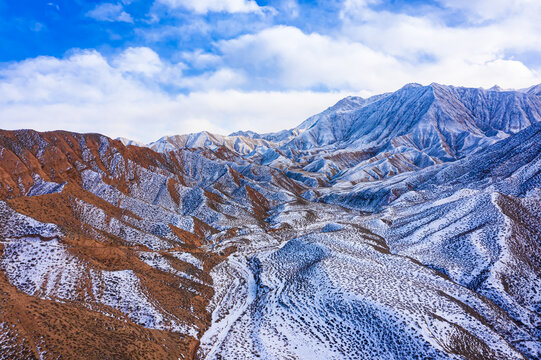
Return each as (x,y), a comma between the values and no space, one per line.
(143,69)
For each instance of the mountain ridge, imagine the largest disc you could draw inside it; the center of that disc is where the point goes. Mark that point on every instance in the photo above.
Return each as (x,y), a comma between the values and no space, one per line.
(409,219)
(412,128)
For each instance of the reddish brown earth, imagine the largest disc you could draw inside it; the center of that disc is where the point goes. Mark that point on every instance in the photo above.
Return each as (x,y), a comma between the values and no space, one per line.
(75,329)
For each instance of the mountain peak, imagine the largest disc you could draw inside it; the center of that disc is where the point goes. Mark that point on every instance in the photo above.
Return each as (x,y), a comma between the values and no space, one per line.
(412,85)
(246,133)
(534,90)
(496,88)
(419,125)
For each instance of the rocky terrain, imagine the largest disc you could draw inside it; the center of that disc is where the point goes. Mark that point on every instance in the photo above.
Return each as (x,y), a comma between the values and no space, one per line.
(402,226)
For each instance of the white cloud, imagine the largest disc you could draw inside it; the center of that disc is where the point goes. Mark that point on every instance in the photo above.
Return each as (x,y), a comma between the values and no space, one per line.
(220,79)
(200,60)
(395,33)
(139,60)
(290,8)
(173,32)
(379,50)
(482,10)
(285,57)
(205,6)
(86,92)
(514,27)
(110,12)
(262,111)
(380,56)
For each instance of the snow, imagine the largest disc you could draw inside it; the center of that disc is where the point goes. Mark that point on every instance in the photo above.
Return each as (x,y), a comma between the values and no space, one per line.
(188,258)
(330,227)
(46,269)
(401,226)
(304,298)
(41,187)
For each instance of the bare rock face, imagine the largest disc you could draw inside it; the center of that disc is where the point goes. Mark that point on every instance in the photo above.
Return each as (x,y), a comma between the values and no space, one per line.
(403,226)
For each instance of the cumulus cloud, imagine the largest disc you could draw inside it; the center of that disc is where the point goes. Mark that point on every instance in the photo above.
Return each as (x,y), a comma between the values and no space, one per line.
(493,31)
(110,12)
(376,57)
(284,57)
(139,60)
(482,10)
(205,6)
(88,92)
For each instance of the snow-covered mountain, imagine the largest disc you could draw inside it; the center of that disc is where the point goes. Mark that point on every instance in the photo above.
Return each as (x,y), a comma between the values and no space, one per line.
(402,226)
(413,128)
(534,90)
(369,139)
(129,142)
(443,121)
(238,143)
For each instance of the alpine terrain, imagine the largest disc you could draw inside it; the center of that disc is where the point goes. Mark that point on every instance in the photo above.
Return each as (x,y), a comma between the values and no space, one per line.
(402,226)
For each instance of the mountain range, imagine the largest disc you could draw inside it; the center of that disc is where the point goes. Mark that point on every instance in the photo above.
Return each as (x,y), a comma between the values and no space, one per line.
(402,226)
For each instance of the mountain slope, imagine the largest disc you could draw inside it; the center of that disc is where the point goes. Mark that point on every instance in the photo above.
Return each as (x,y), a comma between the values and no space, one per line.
(511,166)
(360,139)
(401,226)
(105,228)
(413,128)
(455,251)
(475,220)
(448,117)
